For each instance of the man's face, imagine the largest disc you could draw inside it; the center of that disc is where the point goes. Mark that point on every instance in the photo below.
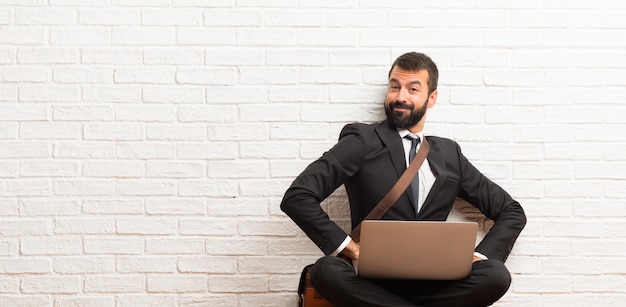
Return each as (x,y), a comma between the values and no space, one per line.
(407,97)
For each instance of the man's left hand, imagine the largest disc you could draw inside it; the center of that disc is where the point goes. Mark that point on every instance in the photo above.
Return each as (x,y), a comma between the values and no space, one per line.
(476,259)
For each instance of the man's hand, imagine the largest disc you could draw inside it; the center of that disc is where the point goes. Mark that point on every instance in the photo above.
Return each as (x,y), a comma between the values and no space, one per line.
(352,250)
(476,259)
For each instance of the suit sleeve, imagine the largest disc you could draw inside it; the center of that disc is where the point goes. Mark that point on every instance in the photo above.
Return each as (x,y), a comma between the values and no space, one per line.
(496,204)
(301,201)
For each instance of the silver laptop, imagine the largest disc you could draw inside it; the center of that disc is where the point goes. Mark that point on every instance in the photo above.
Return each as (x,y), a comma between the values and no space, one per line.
(416,249)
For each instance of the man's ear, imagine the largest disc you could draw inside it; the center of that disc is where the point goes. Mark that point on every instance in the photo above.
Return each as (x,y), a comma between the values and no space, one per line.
(432,99)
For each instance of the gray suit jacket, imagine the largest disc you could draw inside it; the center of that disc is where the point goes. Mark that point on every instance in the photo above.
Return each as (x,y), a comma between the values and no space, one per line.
(368,159)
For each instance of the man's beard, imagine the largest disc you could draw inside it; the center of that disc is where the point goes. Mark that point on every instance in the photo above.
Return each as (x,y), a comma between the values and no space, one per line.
(401,121)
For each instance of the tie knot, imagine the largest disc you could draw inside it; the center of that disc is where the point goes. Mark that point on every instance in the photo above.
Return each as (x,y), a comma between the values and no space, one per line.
(414,140)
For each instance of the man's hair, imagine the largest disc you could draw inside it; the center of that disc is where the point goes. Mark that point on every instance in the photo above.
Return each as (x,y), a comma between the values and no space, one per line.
(413,61)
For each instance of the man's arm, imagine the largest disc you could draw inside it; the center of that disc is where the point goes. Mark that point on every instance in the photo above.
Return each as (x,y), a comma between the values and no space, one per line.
(495,203)
(302,200)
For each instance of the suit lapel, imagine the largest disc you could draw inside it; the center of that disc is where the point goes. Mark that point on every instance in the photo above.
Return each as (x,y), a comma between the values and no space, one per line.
(389,136)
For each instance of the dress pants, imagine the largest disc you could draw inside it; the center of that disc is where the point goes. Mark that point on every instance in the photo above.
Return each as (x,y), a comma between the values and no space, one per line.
(336,280)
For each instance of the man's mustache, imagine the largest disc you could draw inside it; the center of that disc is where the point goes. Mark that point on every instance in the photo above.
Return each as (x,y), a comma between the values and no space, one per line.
(400,105)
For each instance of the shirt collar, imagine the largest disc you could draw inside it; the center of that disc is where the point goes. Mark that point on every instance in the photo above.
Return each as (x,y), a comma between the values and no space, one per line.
(405,132)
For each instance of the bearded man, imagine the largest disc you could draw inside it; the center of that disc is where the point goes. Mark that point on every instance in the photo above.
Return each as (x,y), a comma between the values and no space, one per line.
(368,159)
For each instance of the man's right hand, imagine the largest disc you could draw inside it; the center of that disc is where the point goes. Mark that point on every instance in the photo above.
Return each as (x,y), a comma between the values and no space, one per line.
(352,250)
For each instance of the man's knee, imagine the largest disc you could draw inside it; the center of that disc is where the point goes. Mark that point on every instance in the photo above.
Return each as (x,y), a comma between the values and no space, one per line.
(327,269)
(494,275)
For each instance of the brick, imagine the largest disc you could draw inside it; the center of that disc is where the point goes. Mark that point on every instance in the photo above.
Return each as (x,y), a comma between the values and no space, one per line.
(51,246)
(84,226)
(145,150)
(83,301)
(47,16)
(247,94)
(176,283)
(144,75)
(209,188)
(175,206)
(9,285)
(270,150)
(114,132)
(82,113)
(255,75)
(48,207)
(45,93)
(230,17)
(109,17)
(26,187)
(236,169)
(23,112)
(269,113)
(173,94)
(44,284)
(234,56)
(236,246)
(112,206)
(114,245)
(205,37)
(209,76)
(210,151)
(238,284)
(375,18)
(217,300)
(210,265)
(146,226)
(143,36)
(8,169)
(78,265)
(140,187)
(188,132)
(543,171)
(71,36)
(173,56)
(293,18)
(24,74)
(175,246)
(143,264)
(174,170)
(102,93)
(114,283)
(140,3)
(240,132)
(303,94)
(279,228)
(8,93)
(208,113)
(144,300)
(236,207)
(45,130)
(171,17)
(25,35)
(210,226)
(113,55)
(83,150)
(25,265)
(83,187)
(145,113)
(24,227)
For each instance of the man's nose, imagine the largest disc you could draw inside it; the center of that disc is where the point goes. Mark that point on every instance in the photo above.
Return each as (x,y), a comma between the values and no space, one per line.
(401,95)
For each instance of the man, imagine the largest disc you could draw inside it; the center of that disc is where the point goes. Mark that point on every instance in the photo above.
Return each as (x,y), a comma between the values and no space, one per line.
(368,160)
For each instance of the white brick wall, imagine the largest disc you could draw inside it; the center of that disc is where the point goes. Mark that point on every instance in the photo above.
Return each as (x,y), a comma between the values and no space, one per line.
(146,144)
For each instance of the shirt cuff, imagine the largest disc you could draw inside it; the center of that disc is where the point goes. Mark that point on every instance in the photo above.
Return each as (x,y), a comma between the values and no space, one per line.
(481,256)
(343,245)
